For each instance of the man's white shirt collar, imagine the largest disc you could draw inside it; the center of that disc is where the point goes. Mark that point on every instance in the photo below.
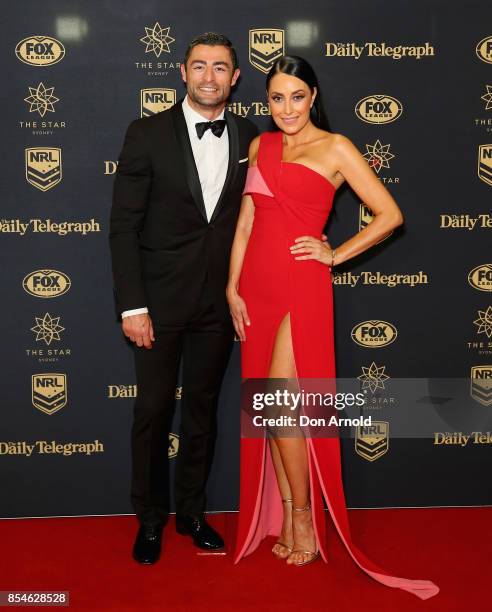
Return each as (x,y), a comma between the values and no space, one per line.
(192,117)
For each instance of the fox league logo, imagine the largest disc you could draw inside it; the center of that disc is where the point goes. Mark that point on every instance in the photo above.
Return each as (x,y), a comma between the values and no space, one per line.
(46,283)
(265,47)
(43,167)
(40,51)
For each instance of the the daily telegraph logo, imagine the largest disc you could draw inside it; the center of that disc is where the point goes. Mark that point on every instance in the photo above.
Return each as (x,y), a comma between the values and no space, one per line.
(155,100)
(378,109)
(41,99)
(258,109)
(157,39)
(131,391)
(366,277)
(372,441)
(48,226)
(480,277)
(40,51)
(374,49)
(49,392)
(265,47)
(465,221)
(43,167)
(46,283)
(484,49)
(481,384)
(485,163)
(366,217)
(374,333)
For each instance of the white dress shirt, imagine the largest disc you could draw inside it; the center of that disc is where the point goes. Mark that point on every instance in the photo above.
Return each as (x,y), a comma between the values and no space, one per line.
(211,158)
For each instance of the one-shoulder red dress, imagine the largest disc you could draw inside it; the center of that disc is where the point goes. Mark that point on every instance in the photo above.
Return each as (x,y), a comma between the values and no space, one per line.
(292,200)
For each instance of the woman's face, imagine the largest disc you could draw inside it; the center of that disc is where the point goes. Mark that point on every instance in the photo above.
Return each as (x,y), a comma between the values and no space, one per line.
(290,102)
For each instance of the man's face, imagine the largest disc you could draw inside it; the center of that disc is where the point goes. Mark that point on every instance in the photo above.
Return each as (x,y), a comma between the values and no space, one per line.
(209,75)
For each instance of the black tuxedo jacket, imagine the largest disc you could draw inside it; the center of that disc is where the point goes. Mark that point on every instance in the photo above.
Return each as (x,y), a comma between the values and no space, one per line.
(163,248)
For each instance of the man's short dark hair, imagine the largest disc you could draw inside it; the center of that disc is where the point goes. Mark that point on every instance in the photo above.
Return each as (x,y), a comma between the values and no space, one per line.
(212,39)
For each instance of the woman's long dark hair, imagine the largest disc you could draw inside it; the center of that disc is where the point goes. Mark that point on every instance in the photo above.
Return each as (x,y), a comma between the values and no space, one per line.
(293,65)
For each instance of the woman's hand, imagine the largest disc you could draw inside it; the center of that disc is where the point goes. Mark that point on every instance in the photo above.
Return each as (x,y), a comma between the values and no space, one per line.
(239,313)
(308,247)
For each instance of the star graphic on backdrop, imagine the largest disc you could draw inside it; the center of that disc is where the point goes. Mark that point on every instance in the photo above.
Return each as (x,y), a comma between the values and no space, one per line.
(47,328)
(41,99)
(484,322)
(373,377)
(378,155)
(157,40)
(488,97)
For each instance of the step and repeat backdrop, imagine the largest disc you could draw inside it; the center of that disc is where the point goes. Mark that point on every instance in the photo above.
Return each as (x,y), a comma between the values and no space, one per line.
(410,86)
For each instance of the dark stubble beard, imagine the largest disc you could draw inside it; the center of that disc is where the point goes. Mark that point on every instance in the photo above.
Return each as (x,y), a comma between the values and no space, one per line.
(207,101)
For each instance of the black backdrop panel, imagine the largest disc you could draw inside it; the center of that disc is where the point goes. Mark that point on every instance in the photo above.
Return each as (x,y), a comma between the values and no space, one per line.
(67,373)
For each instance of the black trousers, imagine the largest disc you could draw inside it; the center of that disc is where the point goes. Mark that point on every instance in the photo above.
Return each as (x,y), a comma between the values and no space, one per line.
(205,345)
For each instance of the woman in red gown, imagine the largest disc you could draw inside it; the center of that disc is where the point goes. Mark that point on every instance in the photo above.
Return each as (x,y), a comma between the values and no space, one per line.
(280,297)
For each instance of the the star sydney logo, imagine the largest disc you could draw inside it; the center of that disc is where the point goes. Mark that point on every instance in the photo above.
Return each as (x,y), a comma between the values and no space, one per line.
(47,328)
(484,322)
(378,155)
(41,99)
(487,97)
(157,40)
(373,377)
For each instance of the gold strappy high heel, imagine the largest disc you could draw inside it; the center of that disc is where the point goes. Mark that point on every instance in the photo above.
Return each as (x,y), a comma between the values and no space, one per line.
(313,555)
(279,542)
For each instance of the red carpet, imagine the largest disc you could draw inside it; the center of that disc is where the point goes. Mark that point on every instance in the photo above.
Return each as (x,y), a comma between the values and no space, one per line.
(91,558)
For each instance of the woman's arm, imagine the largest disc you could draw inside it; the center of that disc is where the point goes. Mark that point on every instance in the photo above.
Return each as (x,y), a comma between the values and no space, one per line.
(362,179)
(243,230)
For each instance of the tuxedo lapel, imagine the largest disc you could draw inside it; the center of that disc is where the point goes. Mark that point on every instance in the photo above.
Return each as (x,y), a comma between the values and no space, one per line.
(233,161)
(182,136)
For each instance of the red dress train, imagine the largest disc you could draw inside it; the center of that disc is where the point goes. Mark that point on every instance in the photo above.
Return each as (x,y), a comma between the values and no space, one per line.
(292,200)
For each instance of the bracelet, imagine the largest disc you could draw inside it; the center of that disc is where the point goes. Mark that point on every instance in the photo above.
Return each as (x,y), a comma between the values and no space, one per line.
(333,252)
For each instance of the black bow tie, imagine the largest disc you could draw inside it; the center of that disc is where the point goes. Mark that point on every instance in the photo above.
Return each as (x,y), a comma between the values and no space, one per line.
(216,126)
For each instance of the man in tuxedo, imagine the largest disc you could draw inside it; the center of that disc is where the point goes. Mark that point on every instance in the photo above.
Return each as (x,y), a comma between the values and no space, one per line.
(176,201)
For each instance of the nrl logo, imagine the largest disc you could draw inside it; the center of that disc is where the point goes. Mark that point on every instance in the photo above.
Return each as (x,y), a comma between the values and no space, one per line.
(172,449)
(156,100)
(372,441)
(49,392)
(43,167)
(265,47)
(365,217)
(481,384)
(485,163)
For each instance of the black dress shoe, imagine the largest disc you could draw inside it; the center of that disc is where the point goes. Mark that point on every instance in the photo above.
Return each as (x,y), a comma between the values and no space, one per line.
(203,535)
(147,547)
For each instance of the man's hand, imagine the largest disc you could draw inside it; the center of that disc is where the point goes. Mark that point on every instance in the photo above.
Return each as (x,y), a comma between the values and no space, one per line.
(138,328)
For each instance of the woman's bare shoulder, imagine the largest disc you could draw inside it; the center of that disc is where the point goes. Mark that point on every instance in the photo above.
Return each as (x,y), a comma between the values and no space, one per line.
(253,150)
